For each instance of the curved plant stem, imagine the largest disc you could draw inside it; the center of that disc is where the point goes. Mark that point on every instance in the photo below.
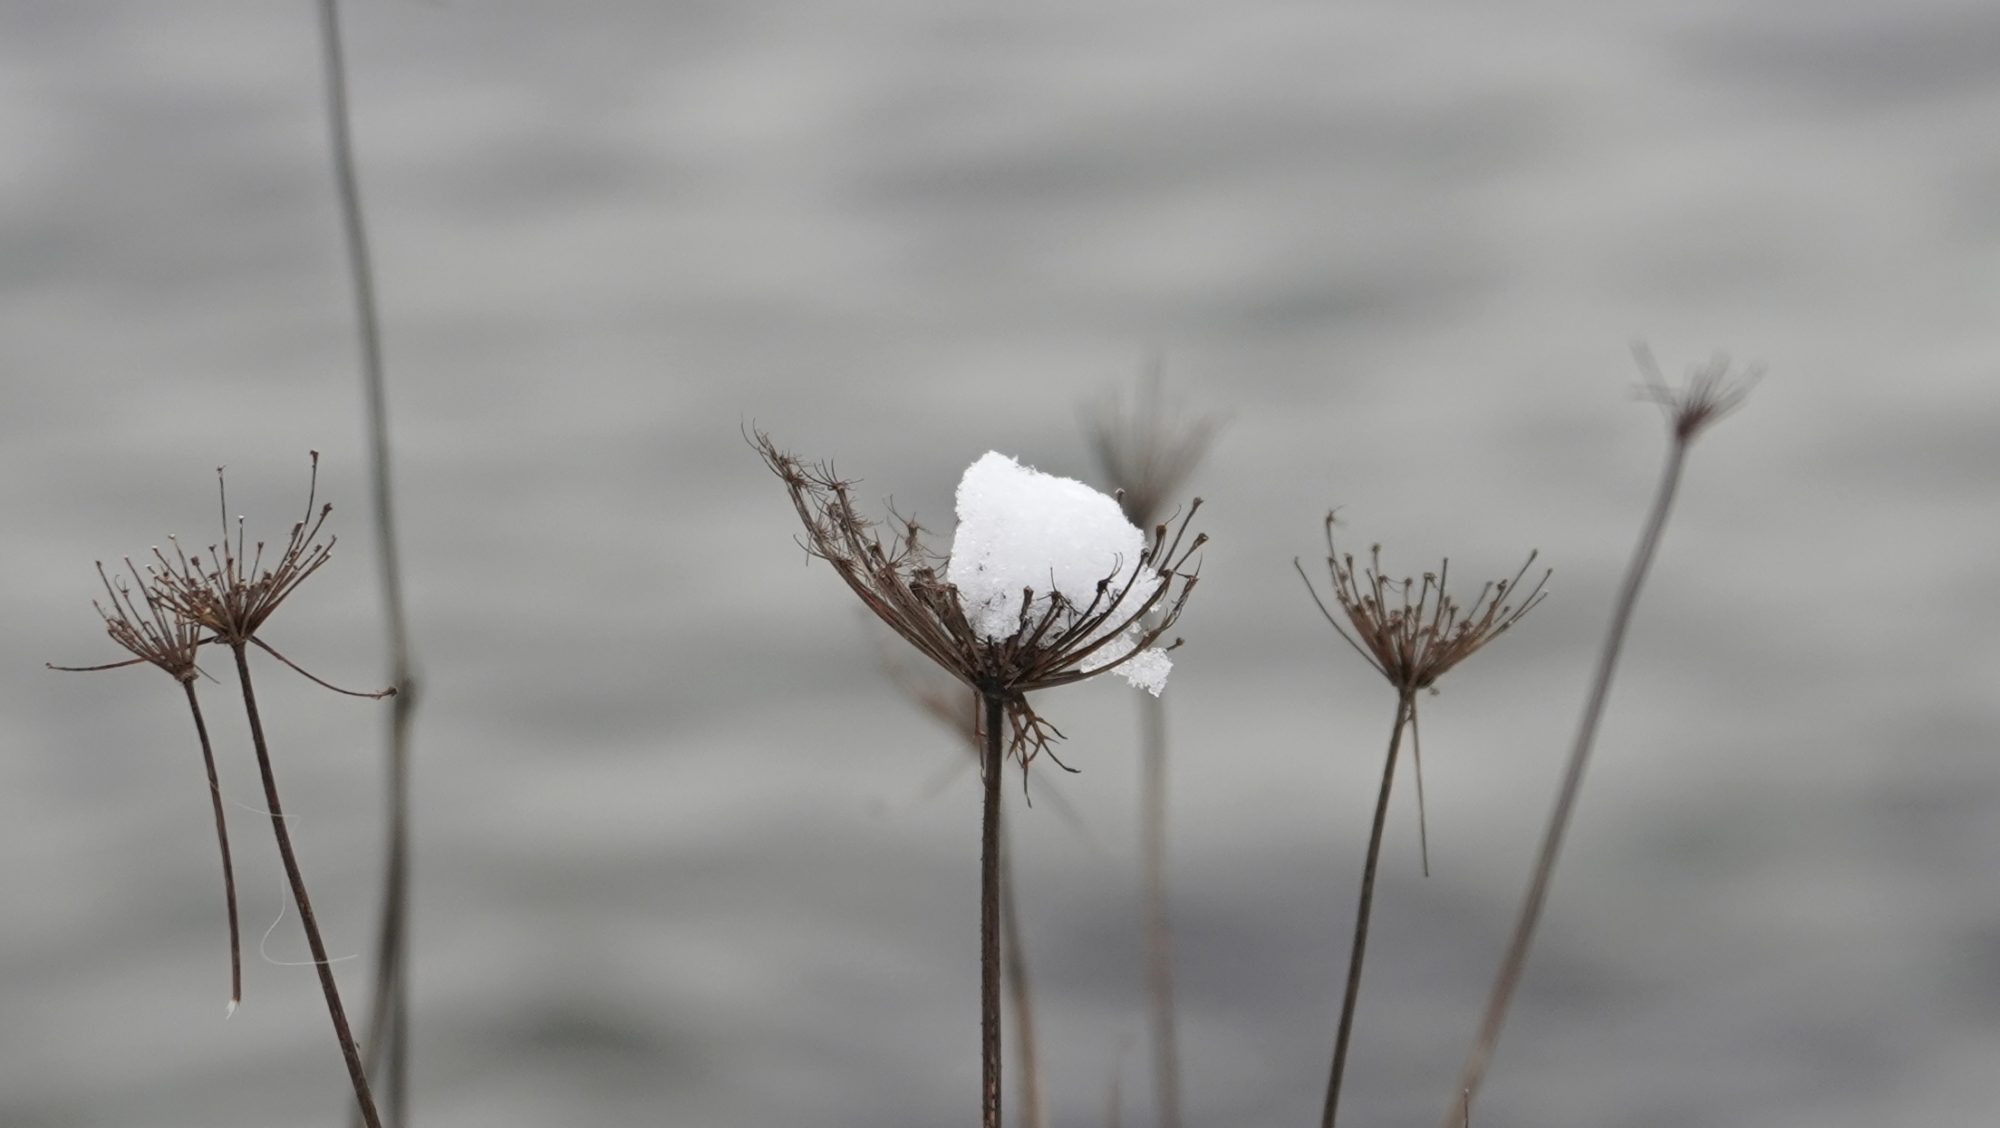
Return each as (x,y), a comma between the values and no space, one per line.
(990,769)
(222,838)
(1405,705)
(1159,935)
(1016,975)
(1511,964)
(388,1026)
(363,1098)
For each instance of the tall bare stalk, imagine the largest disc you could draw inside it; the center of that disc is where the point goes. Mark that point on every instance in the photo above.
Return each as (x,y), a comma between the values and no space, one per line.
(1709,394)
(1363,909)
(388,1025)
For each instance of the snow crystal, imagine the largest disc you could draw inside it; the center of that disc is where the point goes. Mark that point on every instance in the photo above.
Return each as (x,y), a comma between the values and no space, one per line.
(1020,528)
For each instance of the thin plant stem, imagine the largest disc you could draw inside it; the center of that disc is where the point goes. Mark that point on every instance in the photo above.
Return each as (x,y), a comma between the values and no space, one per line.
(388,1025)
(1159,935)
(947,706)
(990,770)
(1417,771)
(1516,958)
(1405,705)
(363,1098)
(222,839)
(1015,973)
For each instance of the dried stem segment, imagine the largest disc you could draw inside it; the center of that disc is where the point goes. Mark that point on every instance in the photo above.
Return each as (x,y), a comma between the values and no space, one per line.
(989,912)
(1363,907)
(945,702)
(345,1036)
(222,840)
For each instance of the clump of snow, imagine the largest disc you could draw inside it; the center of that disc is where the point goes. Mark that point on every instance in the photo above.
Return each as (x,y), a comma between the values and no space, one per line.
(1020,528)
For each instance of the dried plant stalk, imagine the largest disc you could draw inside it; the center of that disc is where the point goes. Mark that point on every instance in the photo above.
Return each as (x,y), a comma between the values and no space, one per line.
(1710,393)
(945,708)
(1061,643)
(156,636)
(1412,633)
(230,592)
(387,1044)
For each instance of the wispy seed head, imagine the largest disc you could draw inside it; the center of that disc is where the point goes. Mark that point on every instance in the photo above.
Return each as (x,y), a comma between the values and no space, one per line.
(1413,631)
(230,589)
(1710,392)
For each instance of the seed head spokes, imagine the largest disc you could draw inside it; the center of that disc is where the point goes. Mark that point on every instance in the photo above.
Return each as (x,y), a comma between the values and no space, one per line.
(1055,640)
(230,590)
(1413,630)
(145,626)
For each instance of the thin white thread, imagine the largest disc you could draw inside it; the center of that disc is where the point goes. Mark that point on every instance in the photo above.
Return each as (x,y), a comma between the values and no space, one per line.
(263,952)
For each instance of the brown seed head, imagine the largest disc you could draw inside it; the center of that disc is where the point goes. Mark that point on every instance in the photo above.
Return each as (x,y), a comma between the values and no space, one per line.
(231,590)
(142,624)
(1412,630)
(901,580)
(1710,392)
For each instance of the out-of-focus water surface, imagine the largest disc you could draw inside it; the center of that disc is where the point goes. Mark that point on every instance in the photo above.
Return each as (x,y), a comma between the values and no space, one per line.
(685,858)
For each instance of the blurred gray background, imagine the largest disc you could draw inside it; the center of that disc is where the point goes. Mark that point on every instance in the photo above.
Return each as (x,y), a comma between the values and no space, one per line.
(685,858)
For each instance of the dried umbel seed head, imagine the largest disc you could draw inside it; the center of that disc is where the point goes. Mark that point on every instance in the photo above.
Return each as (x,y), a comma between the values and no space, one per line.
(231,590)
(1412,630)
(145,626)
(1710,392)
(1147,449)
(1007,647)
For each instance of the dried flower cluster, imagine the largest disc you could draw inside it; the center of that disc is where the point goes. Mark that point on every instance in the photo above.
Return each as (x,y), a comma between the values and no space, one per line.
(231,592)
(1148,451)
(139,622)
(1413,631)
(1056,641)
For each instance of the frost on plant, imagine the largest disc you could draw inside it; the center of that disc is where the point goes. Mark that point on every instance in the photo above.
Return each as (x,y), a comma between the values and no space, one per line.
(1025,533)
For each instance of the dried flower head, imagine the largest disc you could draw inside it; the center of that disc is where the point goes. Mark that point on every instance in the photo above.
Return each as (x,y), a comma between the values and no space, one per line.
(1147,452)
(142,624)
(231,591)
(1054,639)
(1710,393)
(1412,631)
